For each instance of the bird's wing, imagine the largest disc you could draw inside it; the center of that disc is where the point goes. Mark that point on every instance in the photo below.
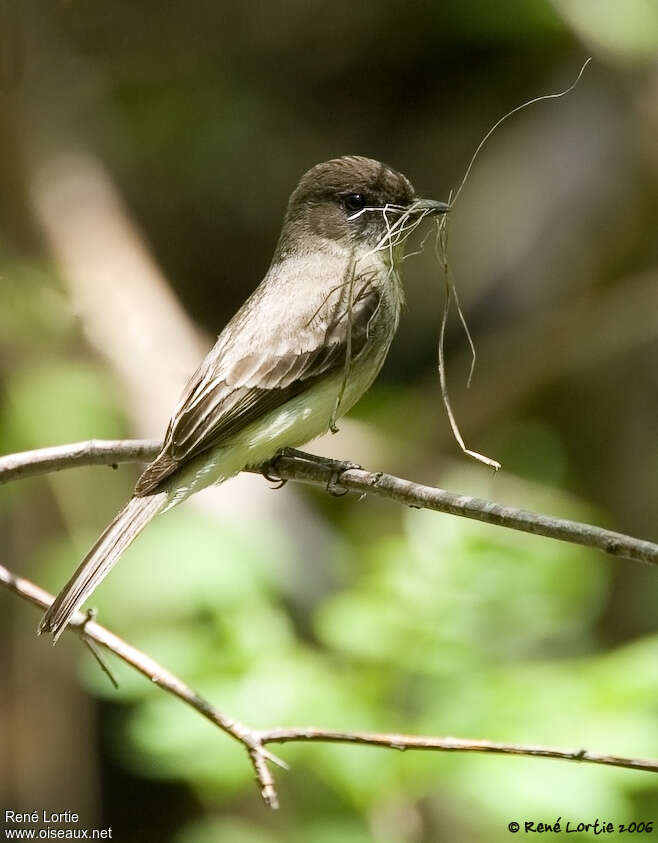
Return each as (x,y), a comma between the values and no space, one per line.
(257,366)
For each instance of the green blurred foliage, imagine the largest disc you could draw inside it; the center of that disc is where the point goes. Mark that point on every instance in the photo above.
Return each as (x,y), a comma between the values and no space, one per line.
(625,31)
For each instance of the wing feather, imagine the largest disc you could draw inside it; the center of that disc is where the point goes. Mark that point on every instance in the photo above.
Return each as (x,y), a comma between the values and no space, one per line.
(225,395)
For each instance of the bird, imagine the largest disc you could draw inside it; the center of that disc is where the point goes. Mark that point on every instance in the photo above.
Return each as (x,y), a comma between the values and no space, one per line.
(298,354)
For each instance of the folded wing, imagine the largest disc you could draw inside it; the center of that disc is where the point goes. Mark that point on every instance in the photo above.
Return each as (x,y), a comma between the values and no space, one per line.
(240,382)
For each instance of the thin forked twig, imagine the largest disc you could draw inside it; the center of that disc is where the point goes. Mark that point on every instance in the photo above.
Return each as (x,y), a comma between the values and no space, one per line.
(395,235)
(90,630)
(450,292)
(255,740)
(351,270)
(450,744)
(518,108)
(441,249)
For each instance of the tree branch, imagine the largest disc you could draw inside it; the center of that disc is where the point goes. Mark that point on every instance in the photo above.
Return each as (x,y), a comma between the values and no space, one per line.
(93,452)
(255,740)
(87,628)
(309,468)
(449,744)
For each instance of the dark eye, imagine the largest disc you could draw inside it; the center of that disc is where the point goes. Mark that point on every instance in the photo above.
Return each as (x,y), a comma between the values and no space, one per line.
(355,202)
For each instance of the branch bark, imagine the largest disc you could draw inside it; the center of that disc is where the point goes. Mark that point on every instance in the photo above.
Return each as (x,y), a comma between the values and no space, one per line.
(309,468)
(255,741)
(88,629)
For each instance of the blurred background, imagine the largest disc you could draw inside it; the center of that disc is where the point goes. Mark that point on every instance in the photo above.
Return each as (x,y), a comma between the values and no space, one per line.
(147,151)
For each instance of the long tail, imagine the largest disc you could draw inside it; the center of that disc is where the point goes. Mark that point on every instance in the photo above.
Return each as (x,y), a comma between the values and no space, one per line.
(105,553)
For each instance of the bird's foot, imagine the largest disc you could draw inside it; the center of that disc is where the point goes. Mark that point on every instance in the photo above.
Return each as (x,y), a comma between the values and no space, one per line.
(338,468)
(268,470)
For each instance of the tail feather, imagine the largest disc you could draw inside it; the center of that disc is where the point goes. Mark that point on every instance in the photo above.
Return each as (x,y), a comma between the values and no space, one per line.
(102,557)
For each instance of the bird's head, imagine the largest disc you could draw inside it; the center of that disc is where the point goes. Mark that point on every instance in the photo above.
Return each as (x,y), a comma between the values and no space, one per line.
(354,201)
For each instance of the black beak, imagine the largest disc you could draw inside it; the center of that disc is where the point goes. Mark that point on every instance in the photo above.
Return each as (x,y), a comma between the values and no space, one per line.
(429,205)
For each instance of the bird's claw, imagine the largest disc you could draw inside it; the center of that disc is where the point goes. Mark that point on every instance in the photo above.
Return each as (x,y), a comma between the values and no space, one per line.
(91,615)
(270,466)
(333,486)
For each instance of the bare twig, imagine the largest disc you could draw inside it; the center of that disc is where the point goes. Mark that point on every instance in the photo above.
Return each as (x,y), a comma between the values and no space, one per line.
(93,452)
(313,469)
(255,740)
(309,468)
(89,629)
(449,744)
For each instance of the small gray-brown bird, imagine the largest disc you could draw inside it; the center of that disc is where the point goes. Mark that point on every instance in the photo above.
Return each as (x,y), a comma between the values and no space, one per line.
(298,354)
